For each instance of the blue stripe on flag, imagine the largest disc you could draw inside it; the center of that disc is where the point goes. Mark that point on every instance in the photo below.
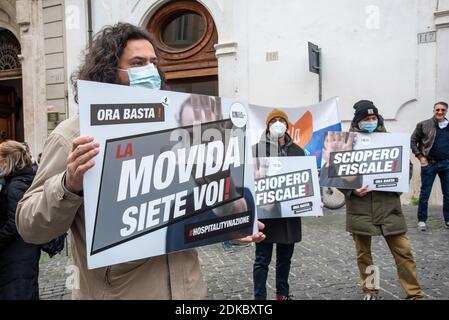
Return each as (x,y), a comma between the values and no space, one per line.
(315,146)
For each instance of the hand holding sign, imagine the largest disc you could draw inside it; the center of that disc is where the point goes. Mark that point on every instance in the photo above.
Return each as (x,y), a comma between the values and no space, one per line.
(257,238)
(84,149)
(361,192)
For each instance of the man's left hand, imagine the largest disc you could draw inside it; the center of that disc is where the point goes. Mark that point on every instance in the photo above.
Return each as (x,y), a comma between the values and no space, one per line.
(257,238)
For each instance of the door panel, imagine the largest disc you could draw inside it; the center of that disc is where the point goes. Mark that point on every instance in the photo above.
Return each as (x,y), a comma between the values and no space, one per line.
(185,36)
(201,85)
(7,113)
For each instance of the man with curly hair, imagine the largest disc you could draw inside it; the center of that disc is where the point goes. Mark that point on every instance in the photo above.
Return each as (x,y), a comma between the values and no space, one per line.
(120,54)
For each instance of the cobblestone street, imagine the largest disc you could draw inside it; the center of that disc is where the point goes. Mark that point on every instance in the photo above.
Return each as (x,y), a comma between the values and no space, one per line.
(323,265)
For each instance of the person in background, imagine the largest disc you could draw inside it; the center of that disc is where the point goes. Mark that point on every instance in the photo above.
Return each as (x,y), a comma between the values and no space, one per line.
(33,160)
(19,261)
(430,144)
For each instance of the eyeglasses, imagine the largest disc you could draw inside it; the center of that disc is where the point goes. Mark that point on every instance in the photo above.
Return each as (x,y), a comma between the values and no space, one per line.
(441,110)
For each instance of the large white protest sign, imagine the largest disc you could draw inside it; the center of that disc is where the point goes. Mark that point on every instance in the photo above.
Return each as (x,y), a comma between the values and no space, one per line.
(307,125)
(172,172)
(287,187)
(380,161)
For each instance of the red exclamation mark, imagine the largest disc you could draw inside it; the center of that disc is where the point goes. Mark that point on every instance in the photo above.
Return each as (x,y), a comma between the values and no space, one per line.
(227,188)
(158,113)
(395,165)
(307,188)
(190,233)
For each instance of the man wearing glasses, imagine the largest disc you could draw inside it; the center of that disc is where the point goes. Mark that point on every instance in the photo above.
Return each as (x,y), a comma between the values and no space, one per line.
(430,144)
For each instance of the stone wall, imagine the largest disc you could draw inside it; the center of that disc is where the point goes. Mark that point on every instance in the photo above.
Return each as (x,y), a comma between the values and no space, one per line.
(55,61)
(370,50)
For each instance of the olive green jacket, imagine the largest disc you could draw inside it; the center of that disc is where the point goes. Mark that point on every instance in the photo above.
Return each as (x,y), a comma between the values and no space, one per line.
(377,213)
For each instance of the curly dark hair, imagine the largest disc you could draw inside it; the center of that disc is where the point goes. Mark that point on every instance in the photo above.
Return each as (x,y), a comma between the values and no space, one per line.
(101,61)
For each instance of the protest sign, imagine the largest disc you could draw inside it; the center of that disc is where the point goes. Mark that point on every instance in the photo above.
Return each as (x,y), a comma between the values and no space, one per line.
(307,125)
(172,172)
(287,187)
(380,161)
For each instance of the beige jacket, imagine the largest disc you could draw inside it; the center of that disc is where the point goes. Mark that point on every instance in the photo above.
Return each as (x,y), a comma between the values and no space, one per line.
(48,210)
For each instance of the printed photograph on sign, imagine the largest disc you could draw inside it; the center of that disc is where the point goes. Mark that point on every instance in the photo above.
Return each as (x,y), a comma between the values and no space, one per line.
(172,173)
(352,160)
(287,187)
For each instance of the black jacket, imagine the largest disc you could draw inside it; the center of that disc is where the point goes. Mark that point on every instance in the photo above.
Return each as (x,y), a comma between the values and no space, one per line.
(423,137)
(282,230)
(19,261)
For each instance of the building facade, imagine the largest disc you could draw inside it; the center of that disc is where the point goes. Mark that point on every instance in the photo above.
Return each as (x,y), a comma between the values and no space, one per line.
(33,87)
(391,52)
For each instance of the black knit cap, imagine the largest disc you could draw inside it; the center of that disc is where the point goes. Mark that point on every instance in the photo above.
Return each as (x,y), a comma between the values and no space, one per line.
(363,109)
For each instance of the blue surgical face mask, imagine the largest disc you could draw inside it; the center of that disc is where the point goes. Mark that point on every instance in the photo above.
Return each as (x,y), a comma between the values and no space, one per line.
(146,77)
(369,126)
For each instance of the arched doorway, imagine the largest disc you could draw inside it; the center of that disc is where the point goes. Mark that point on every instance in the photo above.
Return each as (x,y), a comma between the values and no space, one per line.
(11,119)
(185,34)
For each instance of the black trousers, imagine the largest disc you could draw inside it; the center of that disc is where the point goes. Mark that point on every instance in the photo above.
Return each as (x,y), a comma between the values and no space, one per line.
(264,252)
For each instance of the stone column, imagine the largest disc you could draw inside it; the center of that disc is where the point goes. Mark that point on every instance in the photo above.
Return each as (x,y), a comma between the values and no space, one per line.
(232,48)
(442,25)
(29,18)
(227,63)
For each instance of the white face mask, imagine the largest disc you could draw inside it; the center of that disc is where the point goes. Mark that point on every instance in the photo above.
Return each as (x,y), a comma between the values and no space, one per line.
(277,130)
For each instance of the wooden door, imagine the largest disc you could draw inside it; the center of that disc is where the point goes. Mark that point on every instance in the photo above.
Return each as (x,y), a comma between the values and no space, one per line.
(184,35)
(7,113)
